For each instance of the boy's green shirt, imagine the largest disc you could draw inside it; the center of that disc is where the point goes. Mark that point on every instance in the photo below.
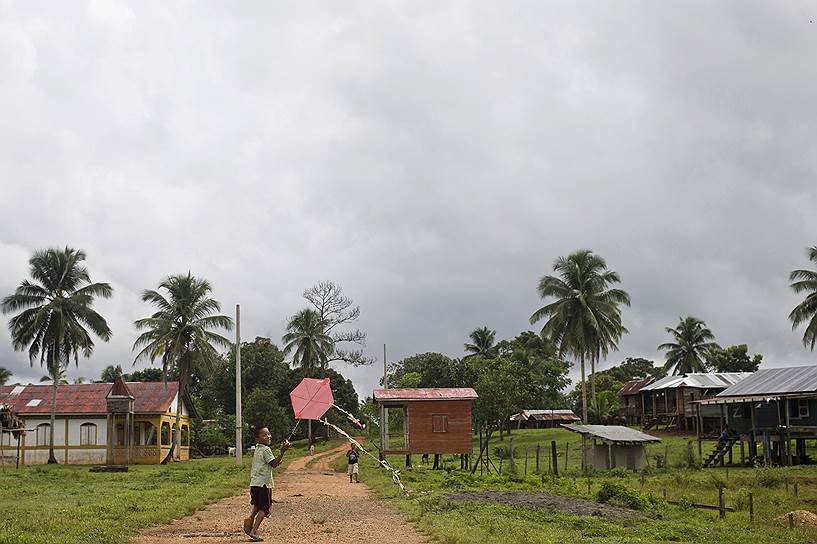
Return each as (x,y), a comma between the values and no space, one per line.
(261,471)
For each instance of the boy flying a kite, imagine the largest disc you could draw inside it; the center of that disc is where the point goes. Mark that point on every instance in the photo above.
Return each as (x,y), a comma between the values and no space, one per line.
(261,482)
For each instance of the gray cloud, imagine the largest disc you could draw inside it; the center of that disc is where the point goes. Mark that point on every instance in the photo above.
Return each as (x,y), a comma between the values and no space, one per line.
(433,159)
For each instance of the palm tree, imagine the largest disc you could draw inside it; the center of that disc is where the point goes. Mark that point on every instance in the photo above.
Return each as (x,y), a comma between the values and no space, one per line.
(806,311)
(55,375)
(482,340)
(180,333)
(584,320)
(690,350)
(5,374)
(57,313)
(306,335)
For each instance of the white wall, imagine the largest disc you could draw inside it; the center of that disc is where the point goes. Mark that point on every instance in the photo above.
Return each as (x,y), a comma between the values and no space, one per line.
(74,428)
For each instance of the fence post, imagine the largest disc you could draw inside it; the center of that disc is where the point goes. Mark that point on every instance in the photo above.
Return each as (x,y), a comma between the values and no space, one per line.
(555,457)
(751,508)
(795,488)
(526,461)
(721,509)
(567,451)
(537,459)
(791,520)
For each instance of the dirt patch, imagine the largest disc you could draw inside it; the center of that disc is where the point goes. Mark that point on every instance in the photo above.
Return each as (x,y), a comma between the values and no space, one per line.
(551,503)
(801,517)
(314,505)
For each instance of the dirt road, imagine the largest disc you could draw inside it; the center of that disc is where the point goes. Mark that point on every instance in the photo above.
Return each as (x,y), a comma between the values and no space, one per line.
(312,505)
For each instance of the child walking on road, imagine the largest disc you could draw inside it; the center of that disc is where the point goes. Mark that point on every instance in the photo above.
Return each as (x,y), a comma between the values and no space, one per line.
(261,482)
(353,468)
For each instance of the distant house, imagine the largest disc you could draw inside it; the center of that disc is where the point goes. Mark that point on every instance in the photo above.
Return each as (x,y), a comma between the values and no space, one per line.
(773,407)
(671,401)
(543,419)
(96,423)
(631,402)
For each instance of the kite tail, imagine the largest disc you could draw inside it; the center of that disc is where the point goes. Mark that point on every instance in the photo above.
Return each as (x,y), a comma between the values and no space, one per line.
(395,474)
(355,421)
(294,429)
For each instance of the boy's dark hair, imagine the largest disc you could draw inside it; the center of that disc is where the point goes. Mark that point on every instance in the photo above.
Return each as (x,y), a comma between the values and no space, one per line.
(258,431)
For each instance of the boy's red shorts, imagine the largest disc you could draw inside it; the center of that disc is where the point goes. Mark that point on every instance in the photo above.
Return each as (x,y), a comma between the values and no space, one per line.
(261,498)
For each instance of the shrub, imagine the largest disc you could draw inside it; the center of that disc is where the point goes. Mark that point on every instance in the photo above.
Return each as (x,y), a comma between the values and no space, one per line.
(769,477)
(618,494)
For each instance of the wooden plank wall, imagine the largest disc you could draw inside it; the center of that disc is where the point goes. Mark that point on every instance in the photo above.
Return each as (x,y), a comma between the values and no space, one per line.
(458,437)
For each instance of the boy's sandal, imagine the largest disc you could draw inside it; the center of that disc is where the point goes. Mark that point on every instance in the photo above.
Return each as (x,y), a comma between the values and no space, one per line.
(257,538)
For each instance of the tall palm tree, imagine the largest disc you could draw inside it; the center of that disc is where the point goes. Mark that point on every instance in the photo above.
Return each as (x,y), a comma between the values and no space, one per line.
(306,336)
(55,375)
(584,320)
(57,314)
(691,348)
(806,311)
(482,340)
(181,334)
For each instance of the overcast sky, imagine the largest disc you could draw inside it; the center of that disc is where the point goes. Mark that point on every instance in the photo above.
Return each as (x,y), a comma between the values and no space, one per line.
(433,158)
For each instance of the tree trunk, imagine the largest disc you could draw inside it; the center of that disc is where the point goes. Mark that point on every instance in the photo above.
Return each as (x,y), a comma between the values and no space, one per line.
(52,460)
(584,392)
(593,386)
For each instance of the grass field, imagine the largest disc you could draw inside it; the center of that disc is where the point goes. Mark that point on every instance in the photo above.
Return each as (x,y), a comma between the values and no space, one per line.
(61,504)
(449,522)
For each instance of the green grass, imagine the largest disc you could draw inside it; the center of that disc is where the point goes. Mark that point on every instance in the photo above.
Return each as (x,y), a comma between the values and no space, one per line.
(462,523)
(61,504)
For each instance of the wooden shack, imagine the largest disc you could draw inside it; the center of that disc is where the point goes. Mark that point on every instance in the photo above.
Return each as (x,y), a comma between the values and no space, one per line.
(434,420)
(613,446)
(631,404)
(543,419)
(774,411)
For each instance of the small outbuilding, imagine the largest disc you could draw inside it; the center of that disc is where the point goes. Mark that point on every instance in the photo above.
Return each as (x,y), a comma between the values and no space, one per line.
(614,446)
(434,420)
(543,419)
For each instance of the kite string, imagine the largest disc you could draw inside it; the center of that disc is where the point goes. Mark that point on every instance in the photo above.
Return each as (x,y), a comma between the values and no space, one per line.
(395,474)
(349,416)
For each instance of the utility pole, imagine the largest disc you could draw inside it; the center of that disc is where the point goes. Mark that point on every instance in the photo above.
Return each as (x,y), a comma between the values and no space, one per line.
(239,443)
(384,412)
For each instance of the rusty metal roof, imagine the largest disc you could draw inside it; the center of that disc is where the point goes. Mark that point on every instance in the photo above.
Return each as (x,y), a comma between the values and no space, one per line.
(437,393)
(634,386)
(545,415)
(611,433)
(700,380)
(90,398)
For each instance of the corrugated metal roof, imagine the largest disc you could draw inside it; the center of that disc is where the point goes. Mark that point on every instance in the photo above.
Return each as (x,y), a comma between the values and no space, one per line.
(545,415)
(634,386)
(771,381)
(436,393)
(701,380)
(611,433)
(90,398)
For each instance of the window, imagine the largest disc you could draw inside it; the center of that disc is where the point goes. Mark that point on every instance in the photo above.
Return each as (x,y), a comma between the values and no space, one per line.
(87,434)
(439,423)
(120,434)
(42,433)
(185,436)
(148,434)
(165,434)
(798,409)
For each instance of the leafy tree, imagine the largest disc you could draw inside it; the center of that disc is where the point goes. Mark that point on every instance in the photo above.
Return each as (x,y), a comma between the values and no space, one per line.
(337,311)
(4,375)
(635,367)
(306,337)
(181,332)
(734,359)
(150,374)
(262,409)
(56,315)
(79,380)
(110,373)
(691,348)
(435,370)
(805,281)
(482,341)
(409,380)
(585,318)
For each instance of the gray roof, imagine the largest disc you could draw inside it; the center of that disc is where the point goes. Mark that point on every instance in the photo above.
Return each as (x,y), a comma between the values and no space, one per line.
(772,381)
(611,433)
(700,380)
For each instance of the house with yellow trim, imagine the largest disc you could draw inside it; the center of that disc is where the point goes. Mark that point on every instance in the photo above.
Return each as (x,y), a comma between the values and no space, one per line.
(97,423)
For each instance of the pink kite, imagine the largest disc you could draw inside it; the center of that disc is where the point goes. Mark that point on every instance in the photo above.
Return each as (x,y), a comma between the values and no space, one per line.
(311,398)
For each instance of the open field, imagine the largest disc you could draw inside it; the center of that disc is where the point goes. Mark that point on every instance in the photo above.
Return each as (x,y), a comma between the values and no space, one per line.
(467,522)
(61,504)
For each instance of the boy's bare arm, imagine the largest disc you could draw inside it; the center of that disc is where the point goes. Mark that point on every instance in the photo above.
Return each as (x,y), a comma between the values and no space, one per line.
(284,447)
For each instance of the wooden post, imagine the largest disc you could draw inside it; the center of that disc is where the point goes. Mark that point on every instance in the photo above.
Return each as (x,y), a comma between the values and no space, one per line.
(500,465)
(567,451)
(584,454)
(751,508)
(791,520)
(742,454)
(721,509)
(537,459)
(555,458)
(795,488)
(239,441)
(609,455)
(526,461)
(666,455)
